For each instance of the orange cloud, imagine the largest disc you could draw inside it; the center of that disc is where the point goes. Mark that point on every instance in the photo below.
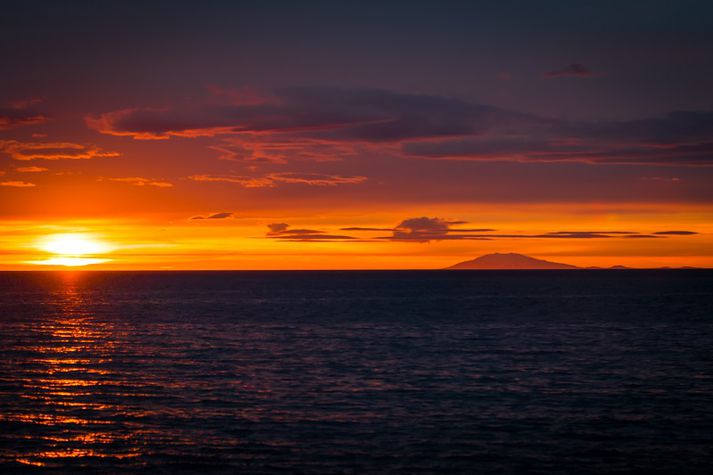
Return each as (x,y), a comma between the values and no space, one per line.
(281,149)
(31,169)
(17,184)
(160,124)
(25,151)
(141,181)
(274,179)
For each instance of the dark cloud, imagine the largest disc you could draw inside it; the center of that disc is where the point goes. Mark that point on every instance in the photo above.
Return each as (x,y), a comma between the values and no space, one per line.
(421,222)
(584,234)
(678,138)
(574,70)
(223,215)
(676,128)
(426,229)
(20,115)
(675,233)
(278,227)
(282,232)
(421,229)
(591,232)
(369,115)
(322,124)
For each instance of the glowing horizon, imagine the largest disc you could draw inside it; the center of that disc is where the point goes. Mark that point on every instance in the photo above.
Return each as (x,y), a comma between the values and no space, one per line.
(248,243)
(365,144)
(71,250)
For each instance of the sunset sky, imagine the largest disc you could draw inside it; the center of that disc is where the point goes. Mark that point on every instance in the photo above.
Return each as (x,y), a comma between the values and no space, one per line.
(354,135)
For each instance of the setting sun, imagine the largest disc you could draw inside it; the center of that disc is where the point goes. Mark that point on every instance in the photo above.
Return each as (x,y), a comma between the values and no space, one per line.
(432,236)
(73,244)
(72,249)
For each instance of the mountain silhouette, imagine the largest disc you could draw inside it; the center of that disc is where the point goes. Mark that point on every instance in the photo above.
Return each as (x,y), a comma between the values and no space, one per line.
(510,261)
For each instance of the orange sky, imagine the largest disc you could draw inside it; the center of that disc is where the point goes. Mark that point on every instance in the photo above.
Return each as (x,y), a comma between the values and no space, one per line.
(345,137)
(141,197)
(241,242)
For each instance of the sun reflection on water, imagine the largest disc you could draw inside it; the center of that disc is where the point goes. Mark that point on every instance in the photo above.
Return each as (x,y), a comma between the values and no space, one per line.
(67,385)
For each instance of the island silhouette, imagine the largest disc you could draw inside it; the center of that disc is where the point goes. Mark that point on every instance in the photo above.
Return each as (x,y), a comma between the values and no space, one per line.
(510,261)
(514,261)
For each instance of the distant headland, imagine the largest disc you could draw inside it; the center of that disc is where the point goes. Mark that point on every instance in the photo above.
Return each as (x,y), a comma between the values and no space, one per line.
(514,261)
(510,261)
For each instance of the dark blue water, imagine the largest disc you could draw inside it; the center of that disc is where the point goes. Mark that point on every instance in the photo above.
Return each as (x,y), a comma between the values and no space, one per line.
(357,372)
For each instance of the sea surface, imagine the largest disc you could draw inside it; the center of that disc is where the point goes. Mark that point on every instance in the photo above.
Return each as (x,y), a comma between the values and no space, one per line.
(357,372)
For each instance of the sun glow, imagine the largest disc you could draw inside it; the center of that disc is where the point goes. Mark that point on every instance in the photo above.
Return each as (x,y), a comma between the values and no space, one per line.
(72,250)
(72,244)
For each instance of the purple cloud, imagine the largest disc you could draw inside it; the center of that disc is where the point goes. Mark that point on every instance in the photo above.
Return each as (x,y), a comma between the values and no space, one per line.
(20,113)
(322,124)
(223,215)
(281,231)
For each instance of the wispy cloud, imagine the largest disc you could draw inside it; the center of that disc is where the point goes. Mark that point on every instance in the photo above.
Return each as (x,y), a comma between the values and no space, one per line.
(141,181)
(20,113)
(25,151)
(31,169)
(17,184)
(675,233)
(679,138)
(321,124)
(426,229)
(269,148)
(274,179)
(282,231)
(661,179)
(222,215)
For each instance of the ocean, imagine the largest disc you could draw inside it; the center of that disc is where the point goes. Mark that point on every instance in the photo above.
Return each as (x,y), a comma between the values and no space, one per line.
(588,371)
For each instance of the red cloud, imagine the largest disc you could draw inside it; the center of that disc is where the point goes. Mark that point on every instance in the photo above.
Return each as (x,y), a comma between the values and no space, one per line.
(17,184)
(322,124)
(52,150)
(31,169)
(331,114)
(141,181)
(274,179)
(19,114)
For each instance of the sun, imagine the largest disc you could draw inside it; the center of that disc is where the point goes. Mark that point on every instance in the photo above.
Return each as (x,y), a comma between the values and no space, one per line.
(73,244)
(73,249)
